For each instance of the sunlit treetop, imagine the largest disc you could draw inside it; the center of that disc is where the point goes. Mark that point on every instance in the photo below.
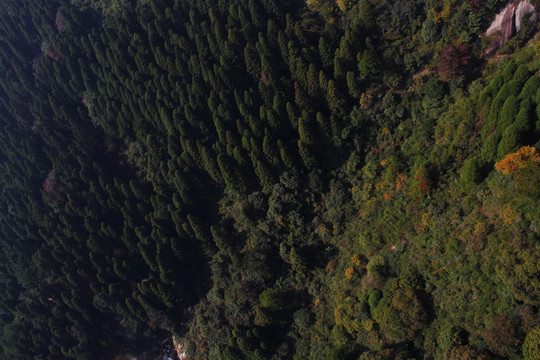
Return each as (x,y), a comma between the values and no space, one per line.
(517,160)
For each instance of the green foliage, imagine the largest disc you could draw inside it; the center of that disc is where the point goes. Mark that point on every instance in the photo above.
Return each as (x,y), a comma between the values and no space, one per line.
(530,87)
(252,178)
(400,313)
(509,142)
(341,337)
(434,93)
(519,271)
(374,298)
(531,346)
(376,266)
(508,71)
(429,31)
(508,112)
(470,174)
(369,63)
(275,299)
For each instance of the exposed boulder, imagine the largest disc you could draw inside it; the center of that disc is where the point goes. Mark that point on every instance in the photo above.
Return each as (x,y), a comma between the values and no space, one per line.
(508,22)
(503,22)
(525,8)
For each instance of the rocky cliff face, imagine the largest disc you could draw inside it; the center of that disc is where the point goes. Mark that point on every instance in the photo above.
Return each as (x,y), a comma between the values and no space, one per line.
(508,22)
(524,8)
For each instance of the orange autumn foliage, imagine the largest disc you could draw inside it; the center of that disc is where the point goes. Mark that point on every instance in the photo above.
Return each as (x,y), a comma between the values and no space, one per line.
(365,101)
(355,260)
(517,160)
(349,272)
(401,180)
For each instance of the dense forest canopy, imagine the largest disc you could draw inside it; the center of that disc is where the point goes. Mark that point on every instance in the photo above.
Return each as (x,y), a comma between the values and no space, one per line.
(269,179)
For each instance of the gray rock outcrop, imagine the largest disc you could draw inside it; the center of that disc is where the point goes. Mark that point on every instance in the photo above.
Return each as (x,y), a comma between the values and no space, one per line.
(524,8)
(508,22)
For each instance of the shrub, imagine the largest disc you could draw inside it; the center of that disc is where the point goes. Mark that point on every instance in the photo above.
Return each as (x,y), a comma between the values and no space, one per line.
(429,31)
(452,336)
(344,5)
(369,242)
(302,319)
(275,299)
(374,296)
(512,87)
(470,174)
(523,118)
(519,271)
(508,112)
(434,89)
(508,89)
(531,346)
(538,117)
(509,141)
(502,336)
(489,147)
(530,87)
(517,160)
(496,83)
(369,63)
(521,74)
(376,266)
(340,335)
(400,313)
(452,62)
(508,71)
(465,353)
